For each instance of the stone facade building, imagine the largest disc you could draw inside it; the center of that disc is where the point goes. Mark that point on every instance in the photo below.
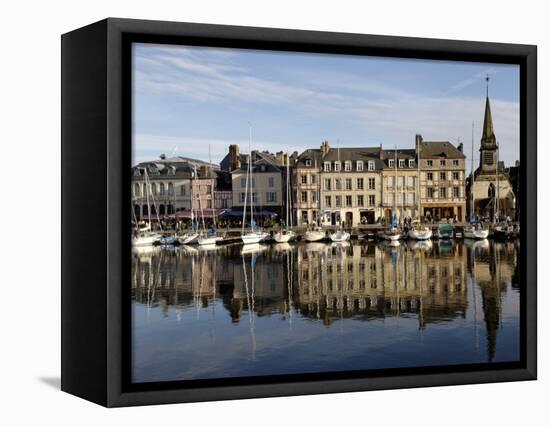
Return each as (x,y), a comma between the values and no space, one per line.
(169,185)
(442,180)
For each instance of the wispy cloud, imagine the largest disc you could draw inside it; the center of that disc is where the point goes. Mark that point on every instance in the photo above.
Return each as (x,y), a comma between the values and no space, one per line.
(326,100)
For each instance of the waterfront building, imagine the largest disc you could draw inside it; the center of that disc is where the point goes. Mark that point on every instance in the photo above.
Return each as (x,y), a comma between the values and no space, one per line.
(349,185)
(442,180)
(307,187)
(399,184)
(492,190)
(265,189)
(171,185)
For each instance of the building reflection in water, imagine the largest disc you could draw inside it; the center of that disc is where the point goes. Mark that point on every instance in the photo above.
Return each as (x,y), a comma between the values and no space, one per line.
(432,282)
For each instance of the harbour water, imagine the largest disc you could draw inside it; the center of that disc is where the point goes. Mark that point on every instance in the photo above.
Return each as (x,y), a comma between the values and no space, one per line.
(232,311)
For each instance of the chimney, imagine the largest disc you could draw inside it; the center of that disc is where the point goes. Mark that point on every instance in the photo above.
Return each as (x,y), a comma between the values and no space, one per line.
(280,158)
(418,143)
(163,156)
(381,153)
(460,147)
(325,148)
(234,157)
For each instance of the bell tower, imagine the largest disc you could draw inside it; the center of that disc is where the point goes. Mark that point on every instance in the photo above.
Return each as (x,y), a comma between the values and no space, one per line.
(489,147)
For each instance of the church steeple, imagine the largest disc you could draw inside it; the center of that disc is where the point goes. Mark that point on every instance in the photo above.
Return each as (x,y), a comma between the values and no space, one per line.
(488,138)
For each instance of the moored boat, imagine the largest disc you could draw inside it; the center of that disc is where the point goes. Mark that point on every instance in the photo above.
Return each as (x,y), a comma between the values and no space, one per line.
(314,234)
(420,232)
(475,231)
(340,236)
(445,231)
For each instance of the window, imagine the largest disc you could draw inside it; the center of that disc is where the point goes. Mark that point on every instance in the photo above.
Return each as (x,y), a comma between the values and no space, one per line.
(456,192)
(372,200)
(313,179)
(371,166)
(254,197)
(442,162)
(242,197)
(455,163)
(360,201)
(162,189)
(145,189)
(338,201)
(442,176)
(136,190)
(271,182)
(243,182)
(326,167)
(304,179)
(171,171)
(401,163)
(338,184)
(271,197)
(390,164)
(348,184)
(429,176)
(488,158)
(372,183)
(154,188)
(253,182)
(442,192)
(390,182)
(314,196)
(430,163)
(360,184)
(430,192)
(327,184)
(308,163)
(336,166)
(304,196)
(456,175)
(411,198)
(348,201)
(170,188)
(347,166)
(411,164)
(328,201)
(359,165)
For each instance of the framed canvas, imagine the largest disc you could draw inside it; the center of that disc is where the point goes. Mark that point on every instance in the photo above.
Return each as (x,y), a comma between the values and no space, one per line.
(255,212)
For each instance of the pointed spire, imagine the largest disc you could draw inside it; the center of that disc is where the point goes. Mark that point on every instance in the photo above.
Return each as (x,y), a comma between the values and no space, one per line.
(488,137)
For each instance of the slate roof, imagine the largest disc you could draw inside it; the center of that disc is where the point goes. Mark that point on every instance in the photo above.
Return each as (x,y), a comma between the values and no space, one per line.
(443,149)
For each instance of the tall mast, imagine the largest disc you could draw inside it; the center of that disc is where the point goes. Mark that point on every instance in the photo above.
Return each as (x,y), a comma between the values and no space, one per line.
(147,196)
(472,209)
(211,187)
(251,179)
(418,180)
(287,191)
(199,193)
(395,187)
(497,190)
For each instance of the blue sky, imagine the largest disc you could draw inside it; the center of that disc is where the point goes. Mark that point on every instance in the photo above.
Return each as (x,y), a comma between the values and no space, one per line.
(188,100)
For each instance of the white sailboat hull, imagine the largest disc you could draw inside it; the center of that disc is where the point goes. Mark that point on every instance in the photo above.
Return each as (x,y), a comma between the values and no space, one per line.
(189,239)
(205,241)
(283,237)
(478,234)
(417,234)
(144,240)
(313,236)
(340,236)
(253,237)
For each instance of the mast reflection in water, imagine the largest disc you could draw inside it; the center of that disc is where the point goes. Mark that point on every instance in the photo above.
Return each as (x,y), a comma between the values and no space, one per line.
(284,309)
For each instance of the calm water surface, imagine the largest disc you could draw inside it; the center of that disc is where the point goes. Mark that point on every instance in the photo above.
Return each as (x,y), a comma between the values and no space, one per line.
(264,310)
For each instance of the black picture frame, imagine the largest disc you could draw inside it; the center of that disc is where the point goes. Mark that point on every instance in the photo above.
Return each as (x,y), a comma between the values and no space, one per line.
(96,124)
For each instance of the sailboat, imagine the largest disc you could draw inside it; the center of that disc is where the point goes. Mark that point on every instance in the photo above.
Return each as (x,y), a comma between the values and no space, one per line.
(253,236)
(419,231)
(206,238)
(393,232)
(315,232)
(474,229)
(340,235)
(144,236)
(285,235)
